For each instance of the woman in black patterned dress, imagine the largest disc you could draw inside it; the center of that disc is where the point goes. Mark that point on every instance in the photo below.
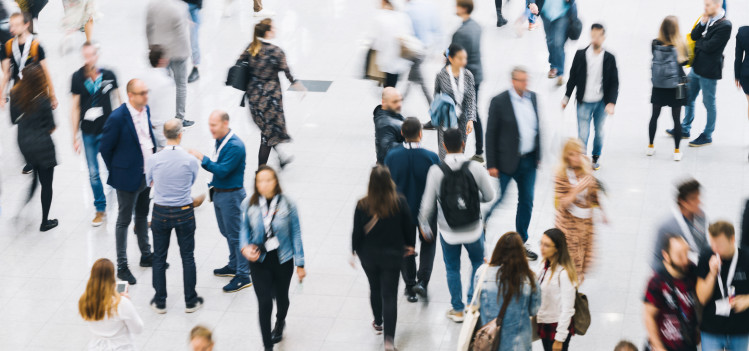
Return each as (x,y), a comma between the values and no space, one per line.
(264,91)
(457,82)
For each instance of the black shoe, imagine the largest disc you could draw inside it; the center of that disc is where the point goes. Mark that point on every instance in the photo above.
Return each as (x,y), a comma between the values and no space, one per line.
(27,169)
(224,271)
(49,224)
(530,254)
(237,284)
(411,295)
(501,21)
(277,333)
(187,123)
(286,161)
(194,75)
(428,126)
(269,348)
(124,274)
(421,289)
(194,306)
(147,261)
(159,308)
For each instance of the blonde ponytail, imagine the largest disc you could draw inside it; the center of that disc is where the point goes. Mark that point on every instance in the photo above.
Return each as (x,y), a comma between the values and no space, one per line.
(260,29)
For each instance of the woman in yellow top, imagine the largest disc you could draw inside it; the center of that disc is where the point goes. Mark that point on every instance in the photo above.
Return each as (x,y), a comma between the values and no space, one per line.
(576,198)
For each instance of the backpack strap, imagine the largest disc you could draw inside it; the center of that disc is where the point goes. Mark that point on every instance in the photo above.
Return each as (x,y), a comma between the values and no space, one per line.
(445,168)
(34,50)
(465,165)
(9,47)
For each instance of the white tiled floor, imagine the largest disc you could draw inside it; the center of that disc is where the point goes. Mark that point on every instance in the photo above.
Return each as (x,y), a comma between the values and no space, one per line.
(43,274)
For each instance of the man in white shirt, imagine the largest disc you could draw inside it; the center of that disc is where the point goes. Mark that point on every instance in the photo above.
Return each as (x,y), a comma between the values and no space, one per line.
(595,75)
(471,235)
(162,89)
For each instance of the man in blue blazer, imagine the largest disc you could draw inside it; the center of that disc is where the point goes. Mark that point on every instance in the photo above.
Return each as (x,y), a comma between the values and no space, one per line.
(127,141)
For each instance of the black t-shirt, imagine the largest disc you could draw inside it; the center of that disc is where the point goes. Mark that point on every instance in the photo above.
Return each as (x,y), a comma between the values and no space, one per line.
(100,98)
(736,323)
(40,55)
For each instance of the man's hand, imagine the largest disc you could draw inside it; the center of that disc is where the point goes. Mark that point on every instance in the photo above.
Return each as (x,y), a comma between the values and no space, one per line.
(533,8)
(76,145)
(714,264)
(740,303)
(493,172)
(565,101)
(609,109)
(469,127)
(196,153)
(557,346)
(738,84)
(410,251)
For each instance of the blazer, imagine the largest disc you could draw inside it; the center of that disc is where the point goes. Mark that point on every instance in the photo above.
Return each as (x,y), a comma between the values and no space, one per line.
(34,128)
(741,62)
(708,48)
(579,75)
(120,149)
(468,36)
(503,137)
(167,25)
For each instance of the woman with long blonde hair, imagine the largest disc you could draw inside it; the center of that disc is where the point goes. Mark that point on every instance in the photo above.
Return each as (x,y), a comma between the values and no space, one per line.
(111,316)
(575,198)
(670,43)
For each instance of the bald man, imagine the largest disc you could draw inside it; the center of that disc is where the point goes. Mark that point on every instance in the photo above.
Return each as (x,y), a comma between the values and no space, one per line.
(127,142)
(388,121)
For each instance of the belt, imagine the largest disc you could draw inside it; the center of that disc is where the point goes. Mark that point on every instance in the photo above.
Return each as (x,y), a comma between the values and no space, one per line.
(186,207)
(226,190)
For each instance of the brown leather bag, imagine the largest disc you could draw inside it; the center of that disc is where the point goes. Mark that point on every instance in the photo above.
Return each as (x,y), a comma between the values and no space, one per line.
(489,336)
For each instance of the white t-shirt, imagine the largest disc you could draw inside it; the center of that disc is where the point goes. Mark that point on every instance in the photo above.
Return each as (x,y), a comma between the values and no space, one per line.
(594,79)
(162,100)
(115,332)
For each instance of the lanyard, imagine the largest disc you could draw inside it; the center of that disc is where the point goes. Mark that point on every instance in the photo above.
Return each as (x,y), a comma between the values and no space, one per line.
(21,58)
(731,272)
(410,145)
(458,89)
(685,229)
(214,158)
(269,210)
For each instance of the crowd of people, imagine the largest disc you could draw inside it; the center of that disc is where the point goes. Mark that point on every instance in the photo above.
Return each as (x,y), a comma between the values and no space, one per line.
(698,294)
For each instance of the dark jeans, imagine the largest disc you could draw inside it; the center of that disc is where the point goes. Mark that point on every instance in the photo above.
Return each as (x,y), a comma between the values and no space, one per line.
(271,279)
(548,344)
(136,202)
(556,36)
(390,80)
(477,126)
(675,114)
(525,176)
(45,176)
(498,7)
(229,218)
(182,220)
(383,275)
(426,260)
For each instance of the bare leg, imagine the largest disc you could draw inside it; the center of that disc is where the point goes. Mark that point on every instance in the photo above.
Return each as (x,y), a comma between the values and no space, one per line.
(88,28)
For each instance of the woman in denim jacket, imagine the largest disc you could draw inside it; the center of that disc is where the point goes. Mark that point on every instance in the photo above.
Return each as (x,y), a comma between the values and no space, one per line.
(270,237)
(508,272)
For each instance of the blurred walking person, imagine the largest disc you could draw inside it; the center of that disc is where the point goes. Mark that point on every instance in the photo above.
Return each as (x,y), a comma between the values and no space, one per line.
(271,239)
(426,27)
(194,7)
(387,123)
(457,83)
(509,293)
(390,27)
(264,94)
(382,235)
(741,61)
(79,16)
(557,279)
(161,90)
(669,55)
(576,199)
(32,112)
(556,21)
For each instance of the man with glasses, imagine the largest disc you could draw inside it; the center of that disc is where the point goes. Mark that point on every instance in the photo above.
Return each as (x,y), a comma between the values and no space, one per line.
(513,147)
(127,142)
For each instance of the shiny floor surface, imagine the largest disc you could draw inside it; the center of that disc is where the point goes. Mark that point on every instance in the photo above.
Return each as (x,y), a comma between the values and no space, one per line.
(42,275)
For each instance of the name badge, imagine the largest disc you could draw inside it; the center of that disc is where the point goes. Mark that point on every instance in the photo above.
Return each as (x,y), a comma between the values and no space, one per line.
(93,113)
(272,244)
(107,86)
(722,308)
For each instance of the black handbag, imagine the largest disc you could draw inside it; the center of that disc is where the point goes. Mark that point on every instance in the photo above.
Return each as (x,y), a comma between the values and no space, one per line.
(239,75)
(575,27)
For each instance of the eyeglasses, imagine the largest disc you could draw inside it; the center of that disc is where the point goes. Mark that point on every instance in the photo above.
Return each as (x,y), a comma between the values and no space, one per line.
(144,92)
(520,80)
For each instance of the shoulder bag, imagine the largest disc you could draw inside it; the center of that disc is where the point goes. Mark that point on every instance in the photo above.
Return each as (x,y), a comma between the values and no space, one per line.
(581,318)
(471,318)
(488,338)
(575,26)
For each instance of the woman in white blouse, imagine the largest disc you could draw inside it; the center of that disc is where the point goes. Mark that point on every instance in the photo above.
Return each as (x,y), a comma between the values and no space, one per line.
(558,281)
(111,316)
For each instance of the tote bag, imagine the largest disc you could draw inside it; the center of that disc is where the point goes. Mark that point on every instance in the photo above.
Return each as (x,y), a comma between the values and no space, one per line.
(471,318)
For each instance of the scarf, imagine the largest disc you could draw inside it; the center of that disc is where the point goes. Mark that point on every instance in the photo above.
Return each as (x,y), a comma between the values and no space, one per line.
(458,89)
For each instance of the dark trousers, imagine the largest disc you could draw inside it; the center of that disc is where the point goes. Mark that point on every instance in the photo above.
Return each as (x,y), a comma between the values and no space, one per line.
(525,177)
(675,115)
(549,343)
(45,177)
(477,125)
(498,6)
(271,279)
(426,261)
(383,274)
(130,203)
(390,80)
(182,220)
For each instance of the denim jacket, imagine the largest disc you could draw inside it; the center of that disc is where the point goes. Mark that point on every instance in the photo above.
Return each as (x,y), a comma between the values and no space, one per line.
(516,326)
(285,227)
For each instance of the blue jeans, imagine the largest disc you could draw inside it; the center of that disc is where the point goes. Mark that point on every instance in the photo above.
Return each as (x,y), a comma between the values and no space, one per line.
(530,15)
(525,177)
(556,36)
(714,342)
(91,148)
(585,112)
(451,255)
(182,220)
(194,26)
(229,217)
(694,85)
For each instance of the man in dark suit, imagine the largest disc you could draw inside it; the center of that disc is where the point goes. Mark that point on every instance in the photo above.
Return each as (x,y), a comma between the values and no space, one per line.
(513,148)
(127,141)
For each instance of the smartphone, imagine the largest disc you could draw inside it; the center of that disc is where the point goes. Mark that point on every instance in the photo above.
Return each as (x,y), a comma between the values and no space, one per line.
(122,287)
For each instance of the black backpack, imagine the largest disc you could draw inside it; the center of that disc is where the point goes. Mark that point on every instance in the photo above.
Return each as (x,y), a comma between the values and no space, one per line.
(459,196)
(665,68)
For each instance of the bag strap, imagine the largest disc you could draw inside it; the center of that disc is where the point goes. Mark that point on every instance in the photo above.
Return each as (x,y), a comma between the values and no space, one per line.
(477,290)
(501,316)
(465,165)
(9,47)
(445,168)
(371,224)
(33,51)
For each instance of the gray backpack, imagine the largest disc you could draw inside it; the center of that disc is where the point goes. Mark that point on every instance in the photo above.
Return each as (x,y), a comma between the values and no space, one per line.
(665,68)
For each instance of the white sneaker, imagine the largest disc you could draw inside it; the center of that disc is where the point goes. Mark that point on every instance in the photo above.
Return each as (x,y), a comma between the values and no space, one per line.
(265,13)
(650,151)
(677,156)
